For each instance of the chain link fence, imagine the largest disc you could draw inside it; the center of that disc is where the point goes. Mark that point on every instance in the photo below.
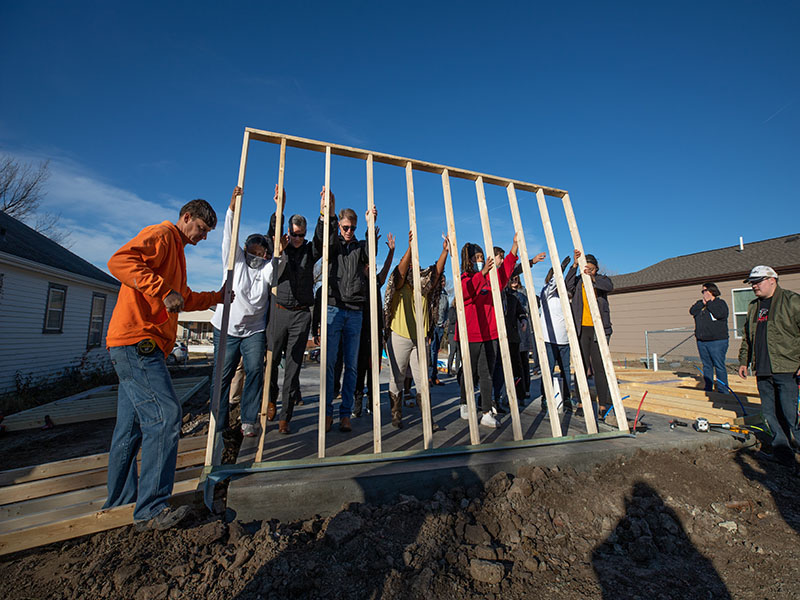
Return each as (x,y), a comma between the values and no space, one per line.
(677,349)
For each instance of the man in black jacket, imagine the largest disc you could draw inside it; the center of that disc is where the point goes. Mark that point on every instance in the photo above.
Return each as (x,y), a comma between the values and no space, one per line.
(347,292)
(587,329)
(711,330)
(291,317)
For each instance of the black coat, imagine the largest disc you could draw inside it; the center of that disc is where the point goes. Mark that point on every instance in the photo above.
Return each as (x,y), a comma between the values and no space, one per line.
(602,286)
(710,320)
(347,280)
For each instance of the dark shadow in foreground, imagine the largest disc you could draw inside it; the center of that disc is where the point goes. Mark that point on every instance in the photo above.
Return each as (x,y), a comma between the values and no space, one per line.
(649,555)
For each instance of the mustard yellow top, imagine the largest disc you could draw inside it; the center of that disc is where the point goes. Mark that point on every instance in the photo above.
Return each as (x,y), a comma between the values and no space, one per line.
(404,321)
(586,318)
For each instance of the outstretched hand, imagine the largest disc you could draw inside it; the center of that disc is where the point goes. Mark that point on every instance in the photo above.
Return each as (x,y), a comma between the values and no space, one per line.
(390,241)
(237,191)
(539,258)
(322,202)
(276,195)
(488,266)
(445,244)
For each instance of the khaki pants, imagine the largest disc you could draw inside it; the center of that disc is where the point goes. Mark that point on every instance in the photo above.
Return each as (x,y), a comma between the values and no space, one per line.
(402,354)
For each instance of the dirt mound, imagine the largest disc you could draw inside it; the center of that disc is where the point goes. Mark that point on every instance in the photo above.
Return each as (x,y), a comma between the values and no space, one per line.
(713,524)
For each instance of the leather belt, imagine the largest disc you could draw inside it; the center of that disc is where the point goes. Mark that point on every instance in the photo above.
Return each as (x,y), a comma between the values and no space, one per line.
(295,309)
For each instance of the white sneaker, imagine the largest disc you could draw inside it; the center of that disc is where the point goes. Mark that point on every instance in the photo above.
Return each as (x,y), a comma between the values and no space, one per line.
(465,412)
(248,430)
(489,421)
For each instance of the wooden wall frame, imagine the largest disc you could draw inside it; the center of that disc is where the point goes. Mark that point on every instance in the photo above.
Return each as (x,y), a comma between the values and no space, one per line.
(481,179)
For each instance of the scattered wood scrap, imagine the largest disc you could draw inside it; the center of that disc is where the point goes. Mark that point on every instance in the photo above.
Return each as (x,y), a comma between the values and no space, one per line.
(91,405)
(680,394)
(42,504)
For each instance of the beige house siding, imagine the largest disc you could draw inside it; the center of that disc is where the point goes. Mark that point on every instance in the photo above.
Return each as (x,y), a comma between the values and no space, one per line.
(633,313)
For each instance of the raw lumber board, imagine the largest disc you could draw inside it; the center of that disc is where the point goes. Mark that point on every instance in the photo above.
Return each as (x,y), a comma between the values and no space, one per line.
(66,529)
(64,505)
(83,463)
(715,414)
(74,481)
(653,396)
(690,392)
(88,406)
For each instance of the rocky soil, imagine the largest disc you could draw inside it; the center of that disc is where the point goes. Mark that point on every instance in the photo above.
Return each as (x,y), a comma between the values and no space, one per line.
(707,524)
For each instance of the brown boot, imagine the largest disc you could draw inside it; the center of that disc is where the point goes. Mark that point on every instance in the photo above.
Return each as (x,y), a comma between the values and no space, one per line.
(283,427)
(396,405)
(272,410)
(344,424)
(328,423)
(418,400)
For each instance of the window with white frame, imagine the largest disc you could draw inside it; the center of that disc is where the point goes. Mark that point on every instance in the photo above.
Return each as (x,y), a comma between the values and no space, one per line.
(741,298)
(96,320)
(54,312)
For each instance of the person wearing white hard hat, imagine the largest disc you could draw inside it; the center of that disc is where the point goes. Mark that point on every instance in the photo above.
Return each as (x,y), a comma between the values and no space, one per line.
(771,347)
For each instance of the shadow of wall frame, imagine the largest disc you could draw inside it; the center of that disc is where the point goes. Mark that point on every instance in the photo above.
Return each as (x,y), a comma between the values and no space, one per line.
(213,450)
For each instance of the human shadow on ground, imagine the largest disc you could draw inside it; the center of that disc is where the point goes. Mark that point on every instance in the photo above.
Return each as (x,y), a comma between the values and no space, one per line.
(649,554)
(366,548)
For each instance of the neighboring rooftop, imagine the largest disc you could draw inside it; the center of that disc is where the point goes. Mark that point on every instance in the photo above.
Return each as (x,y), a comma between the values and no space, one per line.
(781,253)
(20,240)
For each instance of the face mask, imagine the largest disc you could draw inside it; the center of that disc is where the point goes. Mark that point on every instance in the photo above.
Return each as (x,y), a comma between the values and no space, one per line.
(253,261)
(479,265)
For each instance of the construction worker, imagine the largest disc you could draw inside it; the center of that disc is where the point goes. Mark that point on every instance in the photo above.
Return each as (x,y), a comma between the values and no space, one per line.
(141,333)
(771,346)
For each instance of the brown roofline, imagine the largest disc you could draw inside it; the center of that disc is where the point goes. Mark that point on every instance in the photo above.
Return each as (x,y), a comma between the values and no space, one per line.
(785,270)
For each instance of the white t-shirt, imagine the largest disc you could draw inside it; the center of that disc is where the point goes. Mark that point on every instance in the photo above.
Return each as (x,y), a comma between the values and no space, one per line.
(251,288)
(554,328)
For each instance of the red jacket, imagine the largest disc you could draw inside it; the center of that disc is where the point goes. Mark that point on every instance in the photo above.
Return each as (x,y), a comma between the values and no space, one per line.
(479,304)
(150,266)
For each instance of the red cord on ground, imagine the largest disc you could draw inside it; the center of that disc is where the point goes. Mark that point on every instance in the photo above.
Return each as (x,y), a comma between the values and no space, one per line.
(636,420)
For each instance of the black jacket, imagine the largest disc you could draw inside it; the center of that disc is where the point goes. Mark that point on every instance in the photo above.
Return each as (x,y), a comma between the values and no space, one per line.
(514,312)
(295,276)
(710,320)
(602,286)
(347,277)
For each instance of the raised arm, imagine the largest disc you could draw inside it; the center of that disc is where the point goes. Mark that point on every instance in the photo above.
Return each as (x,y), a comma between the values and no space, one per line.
(387,263)
(402,267)
(319,232)
(442,260)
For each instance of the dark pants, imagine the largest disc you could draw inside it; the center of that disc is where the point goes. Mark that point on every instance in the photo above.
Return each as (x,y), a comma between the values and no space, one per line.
(590,352)
(364,368)
(482,357)
(498,378)
(288,332)
(525,364)
(436,341)
(453,357)
(557,354)
(712,355)
(778,394)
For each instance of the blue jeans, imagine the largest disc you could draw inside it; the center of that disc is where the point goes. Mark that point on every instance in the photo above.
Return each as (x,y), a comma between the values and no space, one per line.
(148,416)
(252,350)
(344,325)
(436,342)
(778,393)
(712,355)
(557,354)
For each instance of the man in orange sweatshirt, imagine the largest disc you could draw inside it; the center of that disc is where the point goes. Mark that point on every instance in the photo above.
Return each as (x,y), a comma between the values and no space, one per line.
(141,333)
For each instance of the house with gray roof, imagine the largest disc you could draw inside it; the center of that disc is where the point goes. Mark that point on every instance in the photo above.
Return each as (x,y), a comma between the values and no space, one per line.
(656,299)
(54,308)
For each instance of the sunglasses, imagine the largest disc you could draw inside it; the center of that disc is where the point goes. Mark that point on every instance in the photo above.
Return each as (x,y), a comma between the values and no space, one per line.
(348,228)
(297,235)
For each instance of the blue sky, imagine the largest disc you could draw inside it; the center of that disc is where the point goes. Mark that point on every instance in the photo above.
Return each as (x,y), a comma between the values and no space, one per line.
(674,126)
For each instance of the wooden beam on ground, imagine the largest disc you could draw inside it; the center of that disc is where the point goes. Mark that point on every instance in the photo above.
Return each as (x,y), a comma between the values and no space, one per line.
(398,161)
(538,334)
(83,525)
(375,350)
(466,370)
(276,252)
(213,448)
(572,333)
(502,334)
(594,309)
(423,386)
(323,309)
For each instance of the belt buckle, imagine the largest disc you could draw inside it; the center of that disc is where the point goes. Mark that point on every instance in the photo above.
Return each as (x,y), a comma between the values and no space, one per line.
(146,347)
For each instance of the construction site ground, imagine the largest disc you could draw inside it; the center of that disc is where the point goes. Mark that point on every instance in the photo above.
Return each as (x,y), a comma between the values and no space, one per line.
(677,514)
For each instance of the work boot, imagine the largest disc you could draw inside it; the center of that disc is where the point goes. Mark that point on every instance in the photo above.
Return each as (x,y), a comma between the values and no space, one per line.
(328,423)
(283,427)
(418,400)
(344,424)
(272,410)
(396,405)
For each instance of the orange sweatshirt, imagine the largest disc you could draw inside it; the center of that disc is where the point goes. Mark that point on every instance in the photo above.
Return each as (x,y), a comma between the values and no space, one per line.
(150,266)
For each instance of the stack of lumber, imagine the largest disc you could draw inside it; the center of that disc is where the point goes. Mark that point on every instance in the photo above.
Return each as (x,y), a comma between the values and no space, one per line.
(92,405)
(680,394)
(48,503)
